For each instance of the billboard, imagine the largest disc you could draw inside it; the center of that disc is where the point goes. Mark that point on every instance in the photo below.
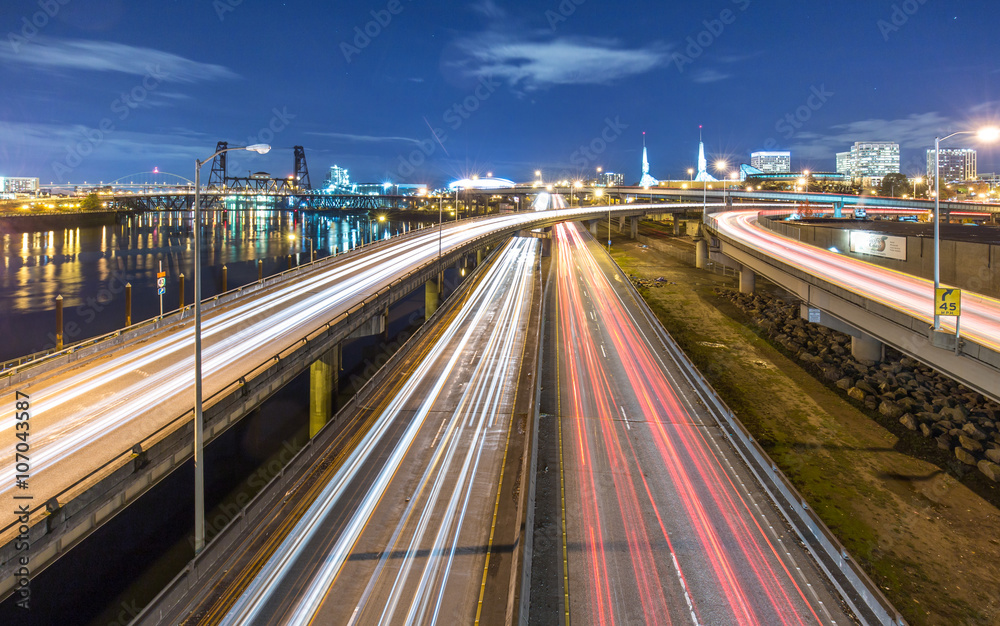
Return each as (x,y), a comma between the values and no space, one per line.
(878,244)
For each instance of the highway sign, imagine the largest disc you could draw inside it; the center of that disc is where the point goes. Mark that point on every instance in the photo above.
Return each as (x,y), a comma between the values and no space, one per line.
(161,282)
(948,302)
(160,291)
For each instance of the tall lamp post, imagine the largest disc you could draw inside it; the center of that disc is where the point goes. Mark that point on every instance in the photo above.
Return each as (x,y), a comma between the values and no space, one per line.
(199,435)
(987,134)
(722,166)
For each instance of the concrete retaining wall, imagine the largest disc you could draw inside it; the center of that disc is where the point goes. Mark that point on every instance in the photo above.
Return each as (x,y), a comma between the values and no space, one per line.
(969,266)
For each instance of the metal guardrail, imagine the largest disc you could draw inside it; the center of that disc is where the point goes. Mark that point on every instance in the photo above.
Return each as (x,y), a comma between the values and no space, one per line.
(188,578)
(126,455)
(854,585)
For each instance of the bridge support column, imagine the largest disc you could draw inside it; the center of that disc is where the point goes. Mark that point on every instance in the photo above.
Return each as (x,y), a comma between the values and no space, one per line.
(748,280)
(479,257)
(677,225)
(634,233)
(838,209)
(432,296)
(621,224)
(593,227)
(701,253)
(324,376)
(867,348)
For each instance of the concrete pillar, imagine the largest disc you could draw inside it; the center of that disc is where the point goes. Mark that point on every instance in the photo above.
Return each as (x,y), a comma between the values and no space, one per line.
(431,297)
(324,375)
(677,226)
(701,253)
(593,227)
(479,257)
(748,280)
(621,223)
(838,209)
(634,234)
(867,348)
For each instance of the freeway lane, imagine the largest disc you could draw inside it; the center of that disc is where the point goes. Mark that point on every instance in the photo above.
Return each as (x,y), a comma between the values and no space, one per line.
(401,529)
(903,292)
(663,523)
(87,413)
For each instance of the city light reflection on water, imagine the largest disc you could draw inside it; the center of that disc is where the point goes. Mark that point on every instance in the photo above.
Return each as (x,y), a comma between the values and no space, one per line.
(89,265)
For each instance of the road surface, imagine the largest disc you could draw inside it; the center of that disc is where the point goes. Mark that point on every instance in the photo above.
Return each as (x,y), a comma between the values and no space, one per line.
(662,522)
(401,525)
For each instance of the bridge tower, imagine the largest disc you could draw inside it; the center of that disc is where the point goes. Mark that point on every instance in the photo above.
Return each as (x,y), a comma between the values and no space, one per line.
(217,177)
(301,169)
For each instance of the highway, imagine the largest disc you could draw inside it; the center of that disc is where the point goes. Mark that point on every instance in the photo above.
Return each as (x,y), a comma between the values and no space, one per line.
(398,526)
(87,414)
(662,522)
(903,292)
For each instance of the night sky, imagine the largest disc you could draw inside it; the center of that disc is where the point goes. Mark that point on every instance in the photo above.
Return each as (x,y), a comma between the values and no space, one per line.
(413,91)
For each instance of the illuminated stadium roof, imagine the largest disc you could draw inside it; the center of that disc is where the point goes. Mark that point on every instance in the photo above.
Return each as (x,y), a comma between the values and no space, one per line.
(483,183)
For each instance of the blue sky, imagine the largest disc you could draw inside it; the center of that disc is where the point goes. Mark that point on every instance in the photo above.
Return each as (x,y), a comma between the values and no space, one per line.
(414,91)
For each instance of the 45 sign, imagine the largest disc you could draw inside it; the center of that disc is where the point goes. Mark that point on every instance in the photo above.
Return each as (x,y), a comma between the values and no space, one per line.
(948,302)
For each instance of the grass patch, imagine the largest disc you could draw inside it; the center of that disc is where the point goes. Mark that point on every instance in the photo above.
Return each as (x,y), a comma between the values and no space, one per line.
(921,534)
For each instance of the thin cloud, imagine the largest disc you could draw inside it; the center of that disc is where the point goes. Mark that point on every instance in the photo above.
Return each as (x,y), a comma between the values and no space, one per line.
(709,76)
(106,56)
(533,63)
(916,131)
(489,9)
(365,138)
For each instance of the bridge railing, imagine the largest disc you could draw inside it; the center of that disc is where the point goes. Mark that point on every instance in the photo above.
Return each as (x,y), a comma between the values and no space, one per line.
(854,585)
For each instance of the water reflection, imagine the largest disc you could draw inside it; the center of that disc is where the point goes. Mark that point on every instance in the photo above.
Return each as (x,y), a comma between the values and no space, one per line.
(89,265)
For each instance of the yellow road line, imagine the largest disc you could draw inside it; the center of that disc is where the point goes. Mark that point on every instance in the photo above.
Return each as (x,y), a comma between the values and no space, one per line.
(562,478)
(503,464)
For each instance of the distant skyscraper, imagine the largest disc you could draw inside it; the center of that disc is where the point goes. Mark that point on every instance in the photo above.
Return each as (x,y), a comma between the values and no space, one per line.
(957,164)
(844,163)
(338,178)
(703,175)
(611,179)
(869,160)
(772,162)
(646,180)
(13,185)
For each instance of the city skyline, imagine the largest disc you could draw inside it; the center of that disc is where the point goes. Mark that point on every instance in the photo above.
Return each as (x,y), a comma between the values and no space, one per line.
(437,93)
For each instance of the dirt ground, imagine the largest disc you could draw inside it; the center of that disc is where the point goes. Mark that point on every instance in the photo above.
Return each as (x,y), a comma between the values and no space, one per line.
(931,543)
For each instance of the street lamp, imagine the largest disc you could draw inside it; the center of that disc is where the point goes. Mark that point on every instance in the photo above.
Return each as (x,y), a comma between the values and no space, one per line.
(986,134)
(199,435)
(576,185)
(691,173)
(919,180)
(722,166)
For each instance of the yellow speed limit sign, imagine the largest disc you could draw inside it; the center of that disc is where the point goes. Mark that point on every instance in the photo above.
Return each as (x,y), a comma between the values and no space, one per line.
(948,302)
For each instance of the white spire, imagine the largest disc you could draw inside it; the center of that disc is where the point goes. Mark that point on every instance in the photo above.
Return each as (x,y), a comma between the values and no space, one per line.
(703,175)
(646,180)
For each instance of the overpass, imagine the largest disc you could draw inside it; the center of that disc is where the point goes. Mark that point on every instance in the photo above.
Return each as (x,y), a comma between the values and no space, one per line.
(874,305)
(110,417)
(696,194)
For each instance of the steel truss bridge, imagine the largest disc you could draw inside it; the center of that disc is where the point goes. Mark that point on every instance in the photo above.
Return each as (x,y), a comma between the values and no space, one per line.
(245,199)
(254,191)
